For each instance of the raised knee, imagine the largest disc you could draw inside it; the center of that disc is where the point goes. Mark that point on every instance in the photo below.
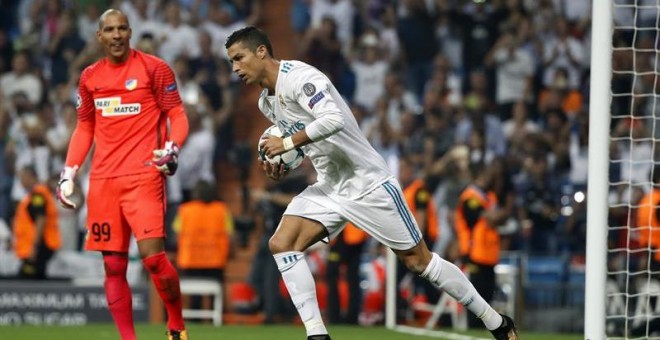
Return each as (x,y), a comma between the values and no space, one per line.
(279,245)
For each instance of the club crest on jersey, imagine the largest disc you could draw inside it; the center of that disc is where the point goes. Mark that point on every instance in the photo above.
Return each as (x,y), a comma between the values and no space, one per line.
(131,84)
(309,89)
(78,101)
(282,103)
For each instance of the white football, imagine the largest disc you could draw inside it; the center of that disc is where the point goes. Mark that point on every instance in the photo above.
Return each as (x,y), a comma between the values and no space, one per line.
(291,159)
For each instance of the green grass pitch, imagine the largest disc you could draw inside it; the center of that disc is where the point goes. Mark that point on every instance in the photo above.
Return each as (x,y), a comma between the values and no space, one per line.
(204,332)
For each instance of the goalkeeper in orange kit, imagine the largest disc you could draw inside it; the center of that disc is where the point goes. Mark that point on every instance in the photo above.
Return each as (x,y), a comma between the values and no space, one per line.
(124,103)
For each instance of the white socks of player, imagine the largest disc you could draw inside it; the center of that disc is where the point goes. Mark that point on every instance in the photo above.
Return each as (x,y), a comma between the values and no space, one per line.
(446,276)
(302,289)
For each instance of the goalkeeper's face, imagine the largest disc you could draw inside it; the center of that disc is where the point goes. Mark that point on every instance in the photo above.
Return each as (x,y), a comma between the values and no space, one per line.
(114,35)
(247,64)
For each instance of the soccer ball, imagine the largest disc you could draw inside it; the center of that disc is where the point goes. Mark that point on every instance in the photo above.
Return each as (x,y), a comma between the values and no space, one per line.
(291,159)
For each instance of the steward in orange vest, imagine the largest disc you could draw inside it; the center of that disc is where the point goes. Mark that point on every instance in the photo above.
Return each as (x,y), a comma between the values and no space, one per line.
(420,200)
(204,225)
(648,224)
(36,232)
(477,216)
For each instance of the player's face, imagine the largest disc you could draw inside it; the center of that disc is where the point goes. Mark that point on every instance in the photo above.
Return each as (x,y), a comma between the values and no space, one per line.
(247,64)
(114,35)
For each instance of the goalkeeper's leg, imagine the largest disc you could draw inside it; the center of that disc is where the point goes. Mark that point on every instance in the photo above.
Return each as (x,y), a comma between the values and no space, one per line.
(118,293)
(165,278)
(292,237)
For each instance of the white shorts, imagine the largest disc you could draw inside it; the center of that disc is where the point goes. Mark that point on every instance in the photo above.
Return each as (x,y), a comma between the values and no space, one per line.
(382,213)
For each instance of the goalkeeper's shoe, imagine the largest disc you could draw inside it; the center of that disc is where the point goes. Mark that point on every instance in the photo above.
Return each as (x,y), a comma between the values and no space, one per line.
(177,335)
(506,331)
(319,337)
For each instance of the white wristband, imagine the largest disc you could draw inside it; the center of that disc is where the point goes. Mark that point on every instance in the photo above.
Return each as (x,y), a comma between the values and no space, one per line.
(288,143)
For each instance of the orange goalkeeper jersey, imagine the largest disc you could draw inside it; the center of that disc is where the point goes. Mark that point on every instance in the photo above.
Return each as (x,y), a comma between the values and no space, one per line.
(125,105)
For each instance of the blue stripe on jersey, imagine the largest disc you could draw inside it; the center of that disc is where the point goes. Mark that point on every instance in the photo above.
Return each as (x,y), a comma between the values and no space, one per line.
(403,211)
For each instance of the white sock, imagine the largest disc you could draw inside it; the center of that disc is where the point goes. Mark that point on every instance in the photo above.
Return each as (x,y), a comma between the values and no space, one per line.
(302,289)
(446,276)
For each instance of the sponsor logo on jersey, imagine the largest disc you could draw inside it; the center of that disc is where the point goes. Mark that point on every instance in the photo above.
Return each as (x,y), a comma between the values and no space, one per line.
(131,84)
(112,107)
(309,89)
(170,87)
(317,98)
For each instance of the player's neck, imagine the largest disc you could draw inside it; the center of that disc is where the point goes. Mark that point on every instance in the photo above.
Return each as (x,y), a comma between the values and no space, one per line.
(271,72)
(120,60)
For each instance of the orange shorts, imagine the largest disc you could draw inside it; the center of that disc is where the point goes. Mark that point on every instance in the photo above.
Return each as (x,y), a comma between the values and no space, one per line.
(119,206)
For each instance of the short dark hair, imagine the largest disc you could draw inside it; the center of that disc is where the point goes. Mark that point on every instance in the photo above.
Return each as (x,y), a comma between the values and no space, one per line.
(251,37)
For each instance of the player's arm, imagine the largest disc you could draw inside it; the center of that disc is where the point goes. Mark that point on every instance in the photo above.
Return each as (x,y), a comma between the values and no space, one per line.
(310,90)
(168,99)
(81,142)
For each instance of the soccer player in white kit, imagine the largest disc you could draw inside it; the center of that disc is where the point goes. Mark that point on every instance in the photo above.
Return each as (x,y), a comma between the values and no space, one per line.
(353,183)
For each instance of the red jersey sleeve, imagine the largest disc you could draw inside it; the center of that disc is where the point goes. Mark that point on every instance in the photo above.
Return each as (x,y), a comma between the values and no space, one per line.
(164,86)
(168,99)
(83,135)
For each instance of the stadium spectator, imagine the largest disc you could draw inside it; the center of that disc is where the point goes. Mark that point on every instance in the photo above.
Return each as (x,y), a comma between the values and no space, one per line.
(538,205)
(514,68)
(415,30)
(22,79)
(321,47)
(178,38)
(63,47)
(562,51)
(198,153)
(370,69)
(339,11)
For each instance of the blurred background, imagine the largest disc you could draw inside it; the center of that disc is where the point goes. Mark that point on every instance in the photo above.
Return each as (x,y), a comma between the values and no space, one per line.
(443,89)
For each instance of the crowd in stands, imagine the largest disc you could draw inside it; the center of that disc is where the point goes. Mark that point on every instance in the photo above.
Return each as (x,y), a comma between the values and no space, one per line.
(441,88)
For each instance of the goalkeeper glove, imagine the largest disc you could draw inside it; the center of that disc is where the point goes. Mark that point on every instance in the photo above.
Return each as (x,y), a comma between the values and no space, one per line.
(65,187)
(166,159)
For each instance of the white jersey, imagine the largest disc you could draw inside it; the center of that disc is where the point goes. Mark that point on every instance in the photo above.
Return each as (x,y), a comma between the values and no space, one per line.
(346,164)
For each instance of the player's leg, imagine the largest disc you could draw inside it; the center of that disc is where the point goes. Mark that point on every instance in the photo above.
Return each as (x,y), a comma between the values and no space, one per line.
(107,232)
(143,207)
(446,276)
(292,237)
(118,292)
(384,214)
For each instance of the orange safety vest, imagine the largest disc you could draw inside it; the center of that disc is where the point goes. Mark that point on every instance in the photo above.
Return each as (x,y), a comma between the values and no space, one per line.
(647,222)
(204,235)
(354,235)
(24,228)
(482,243)
(411,194)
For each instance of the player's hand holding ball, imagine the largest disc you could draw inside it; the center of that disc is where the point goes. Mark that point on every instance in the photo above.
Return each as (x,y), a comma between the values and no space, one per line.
(277,153)
(167,159)
(65,187)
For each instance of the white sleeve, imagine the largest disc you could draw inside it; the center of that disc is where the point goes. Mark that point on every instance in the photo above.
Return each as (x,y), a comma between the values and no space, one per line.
(311,91)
